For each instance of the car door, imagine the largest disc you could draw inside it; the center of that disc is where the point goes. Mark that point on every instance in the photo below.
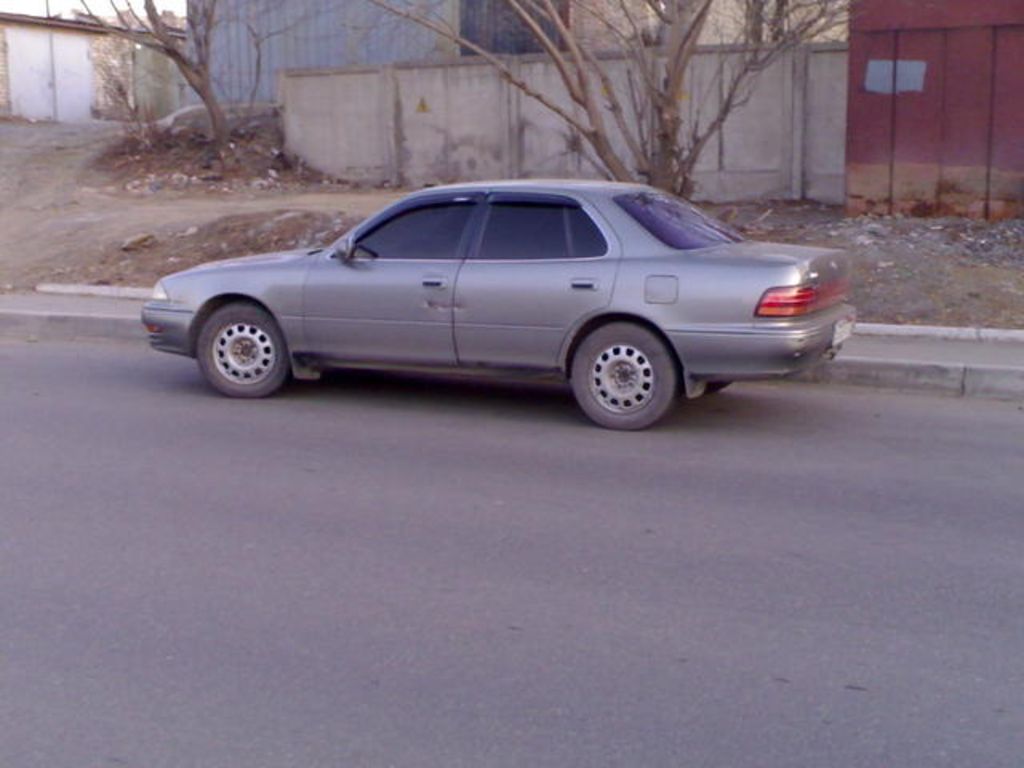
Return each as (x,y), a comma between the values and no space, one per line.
(392,300)
(541,265)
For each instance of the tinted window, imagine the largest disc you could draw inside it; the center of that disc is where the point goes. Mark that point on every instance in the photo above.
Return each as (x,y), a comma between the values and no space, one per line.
(432,232)
(587,240)
(675,222)
(539,231)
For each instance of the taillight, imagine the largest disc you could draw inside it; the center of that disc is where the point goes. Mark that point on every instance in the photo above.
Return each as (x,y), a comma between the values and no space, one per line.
(796,300)
(787,301)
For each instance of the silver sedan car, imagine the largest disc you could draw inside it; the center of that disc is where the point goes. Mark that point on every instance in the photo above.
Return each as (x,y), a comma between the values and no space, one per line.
(635,296)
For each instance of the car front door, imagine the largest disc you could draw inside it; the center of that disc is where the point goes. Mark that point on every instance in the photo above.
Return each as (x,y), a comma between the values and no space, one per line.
(392,299)
(542,265)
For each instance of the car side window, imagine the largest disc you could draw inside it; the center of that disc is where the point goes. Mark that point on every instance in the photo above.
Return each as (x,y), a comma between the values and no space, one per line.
(430,232)
(537,231)
(587,240)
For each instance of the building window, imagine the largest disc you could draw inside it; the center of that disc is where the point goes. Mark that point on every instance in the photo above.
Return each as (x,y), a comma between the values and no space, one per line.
(495,27)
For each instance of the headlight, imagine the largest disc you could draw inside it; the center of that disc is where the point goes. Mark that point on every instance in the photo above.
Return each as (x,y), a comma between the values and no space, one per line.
(159,293)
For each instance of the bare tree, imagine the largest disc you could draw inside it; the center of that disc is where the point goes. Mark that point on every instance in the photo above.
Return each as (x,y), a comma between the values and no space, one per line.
(625,67)
(191,55)
(257,37)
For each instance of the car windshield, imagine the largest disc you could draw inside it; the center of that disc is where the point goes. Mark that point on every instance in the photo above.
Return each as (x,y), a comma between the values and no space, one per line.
(675,222)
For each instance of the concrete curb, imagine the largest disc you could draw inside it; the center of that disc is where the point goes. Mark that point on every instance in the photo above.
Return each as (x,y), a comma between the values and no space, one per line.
(981,381)
(106,291)
(939,332)
(994,382)
(48,326)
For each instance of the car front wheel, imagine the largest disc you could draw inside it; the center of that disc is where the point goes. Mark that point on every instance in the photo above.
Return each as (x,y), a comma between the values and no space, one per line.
(242,352)
(624,377)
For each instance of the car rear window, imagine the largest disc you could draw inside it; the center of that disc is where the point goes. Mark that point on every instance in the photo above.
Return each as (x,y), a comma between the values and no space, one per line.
(675,222)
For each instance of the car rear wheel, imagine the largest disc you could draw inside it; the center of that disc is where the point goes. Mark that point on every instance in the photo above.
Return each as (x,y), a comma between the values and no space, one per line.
(242,352)
(624,377)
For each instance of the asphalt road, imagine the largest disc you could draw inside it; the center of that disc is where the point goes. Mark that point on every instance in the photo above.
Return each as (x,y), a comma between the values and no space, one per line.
(397,571)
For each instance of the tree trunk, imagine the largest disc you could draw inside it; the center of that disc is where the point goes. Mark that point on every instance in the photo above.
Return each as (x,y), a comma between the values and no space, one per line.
(755,21)
(220,131)
(198,79)
(779,20)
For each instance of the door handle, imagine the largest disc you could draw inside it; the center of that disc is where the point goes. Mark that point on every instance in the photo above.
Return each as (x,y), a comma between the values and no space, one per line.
(434,282)
(584,284)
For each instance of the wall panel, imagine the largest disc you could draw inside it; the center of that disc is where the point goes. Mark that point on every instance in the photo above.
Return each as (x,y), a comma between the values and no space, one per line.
(917,121)
(1006,185)
(869,137)
(963,186)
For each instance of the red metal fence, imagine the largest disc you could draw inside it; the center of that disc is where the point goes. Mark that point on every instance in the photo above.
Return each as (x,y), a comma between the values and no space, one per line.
(936,108)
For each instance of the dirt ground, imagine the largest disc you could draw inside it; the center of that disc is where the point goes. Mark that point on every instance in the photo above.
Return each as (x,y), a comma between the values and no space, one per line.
(74,210)
(64,219)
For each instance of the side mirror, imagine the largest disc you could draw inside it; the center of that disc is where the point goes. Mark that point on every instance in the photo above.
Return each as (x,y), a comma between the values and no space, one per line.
(354,252)
(341,251)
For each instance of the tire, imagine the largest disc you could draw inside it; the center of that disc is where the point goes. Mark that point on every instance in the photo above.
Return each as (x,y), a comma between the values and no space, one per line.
(242,352)
(713,387)
(624,377)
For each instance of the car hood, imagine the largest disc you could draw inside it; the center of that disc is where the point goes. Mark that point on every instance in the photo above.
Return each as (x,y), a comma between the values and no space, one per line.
(262,259)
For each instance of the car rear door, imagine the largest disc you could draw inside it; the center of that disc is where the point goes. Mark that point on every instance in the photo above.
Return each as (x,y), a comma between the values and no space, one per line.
(541,264)
(393,301)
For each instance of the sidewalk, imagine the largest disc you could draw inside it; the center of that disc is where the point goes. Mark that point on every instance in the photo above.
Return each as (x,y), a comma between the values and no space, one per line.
(950,361)
(964,367)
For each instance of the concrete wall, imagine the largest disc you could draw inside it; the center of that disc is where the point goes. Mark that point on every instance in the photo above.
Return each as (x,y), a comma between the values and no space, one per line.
(415,125)
(824,126)
(5,92)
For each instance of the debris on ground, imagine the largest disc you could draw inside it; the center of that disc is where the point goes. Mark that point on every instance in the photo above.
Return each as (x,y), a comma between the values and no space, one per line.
(150,159)
(138,242)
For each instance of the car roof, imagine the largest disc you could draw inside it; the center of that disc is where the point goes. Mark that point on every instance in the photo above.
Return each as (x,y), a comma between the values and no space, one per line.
(544,186)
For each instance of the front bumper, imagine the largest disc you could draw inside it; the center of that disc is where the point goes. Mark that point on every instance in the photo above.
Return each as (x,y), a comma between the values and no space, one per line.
(765,349)
(168,326)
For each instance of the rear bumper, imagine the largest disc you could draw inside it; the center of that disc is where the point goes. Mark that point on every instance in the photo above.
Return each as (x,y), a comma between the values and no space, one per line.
(760,350)
(168,327)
